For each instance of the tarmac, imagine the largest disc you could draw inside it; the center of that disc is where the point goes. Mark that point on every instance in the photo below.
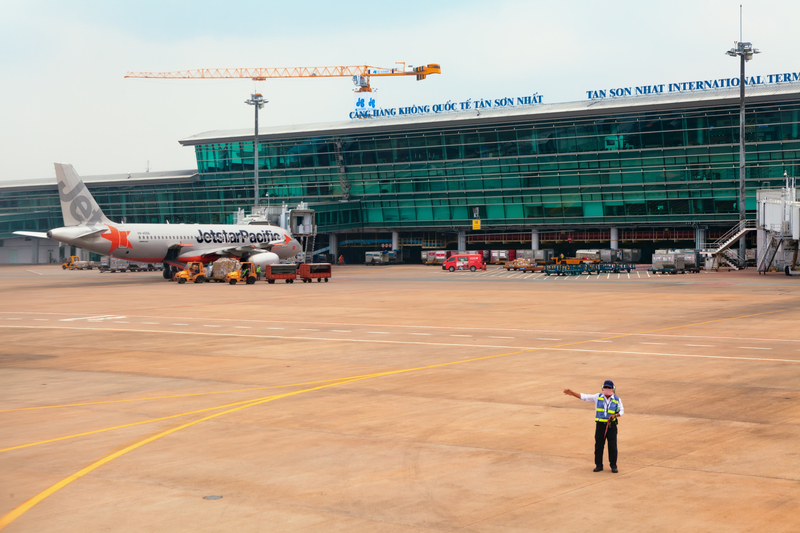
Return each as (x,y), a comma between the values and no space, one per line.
(397,399)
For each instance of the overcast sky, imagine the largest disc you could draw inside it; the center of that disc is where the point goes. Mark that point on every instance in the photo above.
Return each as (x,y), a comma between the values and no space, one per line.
(64,98)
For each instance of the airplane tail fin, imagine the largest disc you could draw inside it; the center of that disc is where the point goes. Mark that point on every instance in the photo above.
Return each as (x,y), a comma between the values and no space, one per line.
(77,204)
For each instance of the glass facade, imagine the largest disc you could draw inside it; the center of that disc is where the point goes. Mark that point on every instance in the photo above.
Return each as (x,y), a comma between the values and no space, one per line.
(625,169)
(670,168)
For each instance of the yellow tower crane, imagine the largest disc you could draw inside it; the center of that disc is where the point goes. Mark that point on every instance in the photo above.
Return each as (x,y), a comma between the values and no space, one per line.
(360,74)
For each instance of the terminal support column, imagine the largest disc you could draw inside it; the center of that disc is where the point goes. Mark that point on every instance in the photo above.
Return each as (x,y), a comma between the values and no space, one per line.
(395,240)
(615,238)
(462,240)
(333,239)
(699,238)
(535,239)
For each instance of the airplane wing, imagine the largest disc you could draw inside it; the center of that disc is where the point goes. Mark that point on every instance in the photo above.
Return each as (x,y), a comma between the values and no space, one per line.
(36,234)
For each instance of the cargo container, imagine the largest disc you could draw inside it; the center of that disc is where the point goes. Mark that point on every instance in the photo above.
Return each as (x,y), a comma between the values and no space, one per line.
(631,255)
(669,263)
(309,272)
(610,256)
(543,256)
(524,254)
(424,257)
(588,254)
(499,257)
(441,256)
(384,257)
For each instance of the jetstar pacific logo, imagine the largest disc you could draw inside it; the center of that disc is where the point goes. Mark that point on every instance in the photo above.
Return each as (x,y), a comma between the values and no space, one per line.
(117,238)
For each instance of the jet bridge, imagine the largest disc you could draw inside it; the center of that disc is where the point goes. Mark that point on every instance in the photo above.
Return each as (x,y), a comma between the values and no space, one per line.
(778,226)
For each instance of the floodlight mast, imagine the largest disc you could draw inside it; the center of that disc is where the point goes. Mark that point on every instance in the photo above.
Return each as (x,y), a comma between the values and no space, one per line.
(257,101)
(745,52)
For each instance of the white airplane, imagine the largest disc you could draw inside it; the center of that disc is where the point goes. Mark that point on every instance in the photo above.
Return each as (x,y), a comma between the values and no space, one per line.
(173,244)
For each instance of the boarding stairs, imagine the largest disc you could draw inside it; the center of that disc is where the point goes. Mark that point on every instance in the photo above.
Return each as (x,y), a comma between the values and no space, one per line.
(769,252)
(717,249)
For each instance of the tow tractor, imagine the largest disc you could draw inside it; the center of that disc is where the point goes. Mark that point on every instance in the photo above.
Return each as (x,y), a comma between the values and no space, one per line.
(246,273)
(75,264)
(193,272)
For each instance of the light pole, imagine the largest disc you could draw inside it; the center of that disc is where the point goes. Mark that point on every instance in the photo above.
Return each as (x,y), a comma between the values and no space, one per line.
(257,101)
(745,53)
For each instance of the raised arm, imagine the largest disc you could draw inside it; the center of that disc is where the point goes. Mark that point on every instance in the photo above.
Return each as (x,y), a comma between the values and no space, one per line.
(570,392)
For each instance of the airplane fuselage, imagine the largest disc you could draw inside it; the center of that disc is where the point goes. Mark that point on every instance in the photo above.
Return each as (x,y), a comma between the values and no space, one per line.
(194,242)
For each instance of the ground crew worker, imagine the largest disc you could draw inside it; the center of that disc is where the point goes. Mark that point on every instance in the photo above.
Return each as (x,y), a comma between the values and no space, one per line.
(608,409)
(258,272)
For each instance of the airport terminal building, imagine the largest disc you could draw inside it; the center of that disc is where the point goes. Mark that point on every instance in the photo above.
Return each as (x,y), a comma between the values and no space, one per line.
(656,170)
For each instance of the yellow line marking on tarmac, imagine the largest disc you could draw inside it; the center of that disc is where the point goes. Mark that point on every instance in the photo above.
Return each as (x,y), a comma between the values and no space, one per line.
(20,510)
(8,518)
(171,396)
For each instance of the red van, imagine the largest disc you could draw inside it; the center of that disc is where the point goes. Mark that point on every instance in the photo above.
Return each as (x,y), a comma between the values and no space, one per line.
(471,262)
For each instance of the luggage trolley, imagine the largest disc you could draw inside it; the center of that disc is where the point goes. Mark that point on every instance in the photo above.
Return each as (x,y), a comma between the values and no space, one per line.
(315,271)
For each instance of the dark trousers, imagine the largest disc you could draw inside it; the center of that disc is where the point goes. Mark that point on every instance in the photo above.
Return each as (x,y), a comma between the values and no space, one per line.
(600,441)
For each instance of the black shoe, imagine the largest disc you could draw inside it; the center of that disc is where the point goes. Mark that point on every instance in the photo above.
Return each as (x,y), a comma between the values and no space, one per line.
(614,469)
(597,469)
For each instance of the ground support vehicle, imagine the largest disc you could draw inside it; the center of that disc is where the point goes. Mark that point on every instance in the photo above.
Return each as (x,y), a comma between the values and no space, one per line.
(471,262)
(193,272)
(615,268)
(73,263)
(568,269)
(384,257)
(245,274)
(275,272)
(309,272)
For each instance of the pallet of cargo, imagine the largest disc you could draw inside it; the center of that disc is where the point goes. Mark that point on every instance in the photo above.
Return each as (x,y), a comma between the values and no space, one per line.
(276,272)
(309,272)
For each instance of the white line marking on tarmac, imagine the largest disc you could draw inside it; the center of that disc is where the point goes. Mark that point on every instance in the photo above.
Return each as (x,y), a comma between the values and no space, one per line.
(697,356)
(243,327)
(341,330)
(461,335)
(494,337)
(420,333)
(308,329)
(648,273)
(528,348)
(701,345)
(151,323)
(599,341)
(753,348)
(13,319)
(211,326)
(547,339)
(34,272)
(637,274)
(379,332)
(100,317)
(661,343)
(180,324)
(425,326)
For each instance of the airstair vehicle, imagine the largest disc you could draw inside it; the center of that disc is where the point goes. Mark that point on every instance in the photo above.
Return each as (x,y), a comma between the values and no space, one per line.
(718,250)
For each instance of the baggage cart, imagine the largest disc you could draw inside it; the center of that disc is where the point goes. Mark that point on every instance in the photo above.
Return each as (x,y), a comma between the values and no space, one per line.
(315,271)
(275,272)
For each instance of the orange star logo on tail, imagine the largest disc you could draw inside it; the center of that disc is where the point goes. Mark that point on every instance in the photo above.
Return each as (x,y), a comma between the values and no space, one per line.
(117,238)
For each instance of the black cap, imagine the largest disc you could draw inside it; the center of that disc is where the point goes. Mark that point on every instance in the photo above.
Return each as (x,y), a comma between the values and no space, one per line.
(608,384)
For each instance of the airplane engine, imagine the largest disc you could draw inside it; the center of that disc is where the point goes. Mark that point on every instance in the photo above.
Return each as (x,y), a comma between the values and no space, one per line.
(263,259)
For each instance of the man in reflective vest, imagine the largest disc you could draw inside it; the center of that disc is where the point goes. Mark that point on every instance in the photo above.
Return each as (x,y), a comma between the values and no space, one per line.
(608,409)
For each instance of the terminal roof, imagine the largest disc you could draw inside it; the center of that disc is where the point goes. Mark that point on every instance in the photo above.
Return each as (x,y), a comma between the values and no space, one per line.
(109,180)
(581,109)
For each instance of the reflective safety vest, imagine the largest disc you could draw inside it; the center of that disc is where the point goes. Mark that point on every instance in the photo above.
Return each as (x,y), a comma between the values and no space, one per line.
(613,408)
